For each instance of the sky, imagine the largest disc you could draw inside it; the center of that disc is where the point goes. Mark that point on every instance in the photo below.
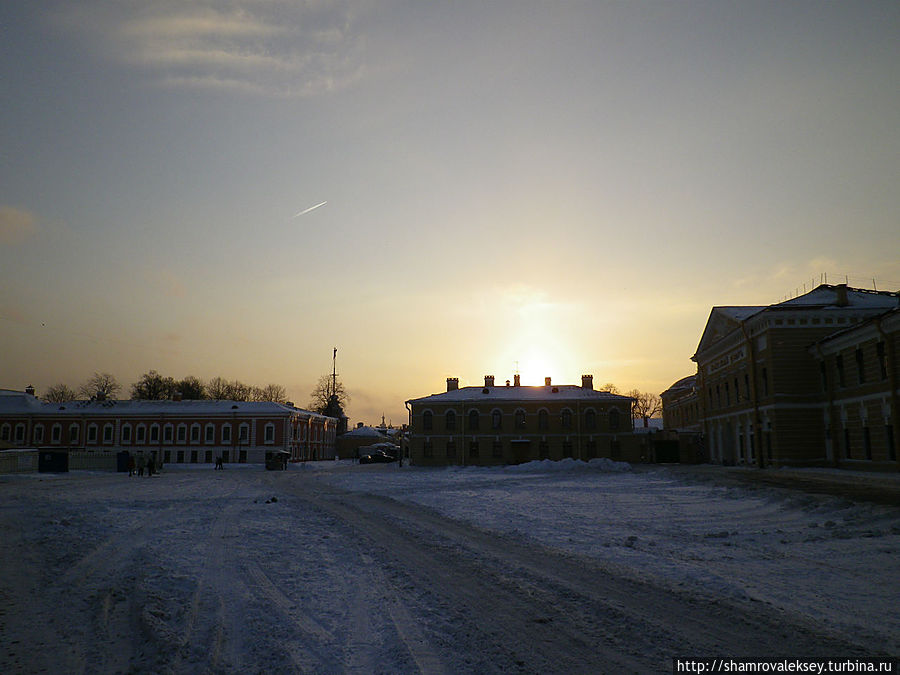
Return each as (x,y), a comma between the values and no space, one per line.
(554,188)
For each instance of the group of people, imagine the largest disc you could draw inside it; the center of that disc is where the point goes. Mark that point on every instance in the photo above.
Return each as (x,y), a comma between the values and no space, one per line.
(140,463)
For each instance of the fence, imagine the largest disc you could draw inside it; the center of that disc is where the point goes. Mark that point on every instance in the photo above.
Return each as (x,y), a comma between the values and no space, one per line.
(18,461)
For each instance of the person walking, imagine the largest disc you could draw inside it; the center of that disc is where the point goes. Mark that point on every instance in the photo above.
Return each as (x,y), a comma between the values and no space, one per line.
(130,465)
(151,464)
(141,463)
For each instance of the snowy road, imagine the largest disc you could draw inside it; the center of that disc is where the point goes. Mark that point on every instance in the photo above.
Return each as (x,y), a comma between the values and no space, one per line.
(314,571)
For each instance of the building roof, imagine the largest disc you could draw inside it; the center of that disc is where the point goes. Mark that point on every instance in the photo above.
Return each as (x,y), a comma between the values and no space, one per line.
(16,402)
(365,432)
(684,384)
(826,297)
(565,392)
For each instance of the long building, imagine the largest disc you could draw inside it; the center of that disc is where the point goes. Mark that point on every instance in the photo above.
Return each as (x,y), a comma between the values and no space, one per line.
(513,423)
(178,431)
(773,388)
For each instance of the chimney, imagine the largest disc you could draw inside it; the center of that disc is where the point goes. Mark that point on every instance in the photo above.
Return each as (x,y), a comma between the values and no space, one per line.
(488,380)
(546,381)
(29,390)
(587,381)
(517,381)
(452,383)
(101,396)
(176,396)
(841,299)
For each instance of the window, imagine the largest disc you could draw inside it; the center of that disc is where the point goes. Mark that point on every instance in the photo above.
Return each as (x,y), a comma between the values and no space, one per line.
(20,434)
(860,366)
(154,434)
(882,362)
(427,449)
(427,423)
(496,419)
(614,419)
(737,391)
(520,419)
(140,433)
(269,433)
(450,420)
(451,450)
(168,433)
(591,449)
(839,364)
(195,433)
(474,419)
(727,395)
(38,433)
(889,440)
(210,433)
(108,430)
(567,448)
(226,434)
(473,449)
(847,451)
(182,433)
(56,433)
(867,442)
(566,418)
(244,433)
(126,433)
(543,420)
(497,449)
(765,382)
(590,419)
(73,434)
(544,450)
(92,434)
(5,432)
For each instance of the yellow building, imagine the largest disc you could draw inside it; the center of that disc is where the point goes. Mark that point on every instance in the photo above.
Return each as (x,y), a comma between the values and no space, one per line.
(511,424)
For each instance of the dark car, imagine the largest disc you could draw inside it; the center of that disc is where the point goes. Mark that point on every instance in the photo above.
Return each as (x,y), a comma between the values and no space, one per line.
(377,457)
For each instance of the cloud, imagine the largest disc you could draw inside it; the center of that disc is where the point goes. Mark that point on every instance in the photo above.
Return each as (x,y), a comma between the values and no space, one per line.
(274,48)
(16,225)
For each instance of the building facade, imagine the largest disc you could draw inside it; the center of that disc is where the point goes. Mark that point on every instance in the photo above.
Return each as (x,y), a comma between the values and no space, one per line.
(860,381)
(182,432)
(512,424)
(759,384)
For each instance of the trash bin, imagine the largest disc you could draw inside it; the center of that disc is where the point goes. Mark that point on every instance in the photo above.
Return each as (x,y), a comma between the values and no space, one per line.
(50,461)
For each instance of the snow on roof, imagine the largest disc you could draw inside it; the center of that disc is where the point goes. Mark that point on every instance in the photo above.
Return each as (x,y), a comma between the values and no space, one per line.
(565,392)
(827,295)
(365,432)
(17,403)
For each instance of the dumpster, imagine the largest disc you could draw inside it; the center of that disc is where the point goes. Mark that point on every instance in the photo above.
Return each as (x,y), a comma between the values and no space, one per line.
(53,461)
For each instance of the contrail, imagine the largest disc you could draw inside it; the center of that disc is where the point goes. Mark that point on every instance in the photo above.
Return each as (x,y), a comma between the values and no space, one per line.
(311,208)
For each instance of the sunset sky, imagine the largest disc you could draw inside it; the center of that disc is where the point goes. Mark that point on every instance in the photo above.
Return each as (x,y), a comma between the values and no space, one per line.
(566,186)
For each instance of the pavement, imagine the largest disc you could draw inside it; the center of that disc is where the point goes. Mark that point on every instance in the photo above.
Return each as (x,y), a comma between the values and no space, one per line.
(878,488)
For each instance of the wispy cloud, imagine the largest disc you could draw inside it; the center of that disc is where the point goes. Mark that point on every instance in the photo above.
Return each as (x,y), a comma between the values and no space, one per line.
(16,225)
(270,47)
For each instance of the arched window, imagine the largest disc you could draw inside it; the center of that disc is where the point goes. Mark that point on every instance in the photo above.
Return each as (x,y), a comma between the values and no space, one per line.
(210,434)
(614,419)
(108,431)
(5,432)
(182,433)
(543,420)
(566,418)
(450,420)
(126,433)
(140,433)
(473,420)
(496,419)
(38,434)
(427,423)
(92,434)
(269,433)
(56,433)
(520,419)
(73,434)
(590,419)
(195,432)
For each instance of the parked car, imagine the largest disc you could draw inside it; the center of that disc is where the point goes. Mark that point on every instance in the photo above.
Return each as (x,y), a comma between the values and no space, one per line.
(377,457)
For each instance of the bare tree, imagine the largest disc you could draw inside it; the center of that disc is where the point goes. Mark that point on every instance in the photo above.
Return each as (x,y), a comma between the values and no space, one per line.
(217,388)
(191,388)
(60,393)
(153,387)
(100,385)
(238,391)
(645,405)
(326,387)
(610,387)
(271,392)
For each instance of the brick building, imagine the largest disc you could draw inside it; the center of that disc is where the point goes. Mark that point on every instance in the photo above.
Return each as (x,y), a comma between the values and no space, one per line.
(512,424)
(172,431)
(759,382)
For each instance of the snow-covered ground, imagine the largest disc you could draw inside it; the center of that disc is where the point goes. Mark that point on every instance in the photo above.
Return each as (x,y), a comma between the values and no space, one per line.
(336,567)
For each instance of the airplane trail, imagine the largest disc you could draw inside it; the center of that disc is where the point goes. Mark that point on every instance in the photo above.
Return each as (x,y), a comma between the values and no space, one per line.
(311,208)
